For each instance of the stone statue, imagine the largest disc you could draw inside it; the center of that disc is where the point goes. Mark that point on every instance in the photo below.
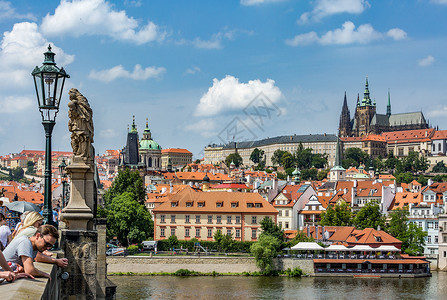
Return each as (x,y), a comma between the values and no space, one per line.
(80,125)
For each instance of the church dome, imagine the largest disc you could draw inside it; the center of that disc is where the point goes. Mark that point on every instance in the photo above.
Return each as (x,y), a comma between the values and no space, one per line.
(149,145)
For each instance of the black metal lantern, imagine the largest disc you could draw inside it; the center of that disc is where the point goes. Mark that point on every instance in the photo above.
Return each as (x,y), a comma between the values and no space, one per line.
(49,82)
(62,167)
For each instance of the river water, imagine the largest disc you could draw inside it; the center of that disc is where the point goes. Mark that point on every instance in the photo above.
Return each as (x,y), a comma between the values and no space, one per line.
(240,287)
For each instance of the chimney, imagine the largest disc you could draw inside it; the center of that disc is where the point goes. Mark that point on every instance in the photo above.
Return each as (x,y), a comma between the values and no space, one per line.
(378,228)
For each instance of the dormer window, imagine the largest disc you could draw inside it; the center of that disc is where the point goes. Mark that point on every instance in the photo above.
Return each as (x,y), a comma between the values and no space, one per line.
(219,204)
(258,205)
(234,205)
(249,205)
(200,204)
(378,239)
(174,204)
(189,204)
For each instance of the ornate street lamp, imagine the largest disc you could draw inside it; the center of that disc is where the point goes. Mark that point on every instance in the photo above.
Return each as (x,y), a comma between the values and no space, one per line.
(49,82)
(63,175)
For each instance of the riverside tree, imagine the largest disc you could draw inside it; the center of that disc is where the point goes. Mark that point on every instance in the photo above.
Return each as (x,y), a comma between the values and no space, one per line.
(264,250)
(369,216)
(338,215)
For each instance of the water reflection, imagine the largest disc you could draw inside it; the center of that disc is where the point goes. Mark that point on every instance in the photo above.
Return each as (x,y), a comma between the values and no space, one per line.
(170,287)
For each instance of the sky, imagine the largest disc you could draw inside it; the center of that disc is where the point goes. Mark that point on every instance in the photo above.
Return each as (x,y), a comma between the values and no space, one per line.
(211,72)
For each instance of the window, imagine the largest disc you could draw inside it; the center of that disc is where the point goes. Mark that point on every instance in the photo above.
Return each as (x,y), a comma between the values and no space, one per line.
(172,231)
(162,232)
(430,225)
(249,205)
(287,225)
(253,220)
(228,231)
(253,233)
(238,219)
(436,225)
(186,232)
(287,212)
(436,239)
(198,219)
(228,219)
(238,233)
(279,213)
(172,218)
(201,204)
(210,232)
(186,218)
(197,232)
(218,219)
(429,239)
(210,219)
(258,205)
(234,205)
(188,204)
(219,204)
(280,224)
(162,218)
(174,204)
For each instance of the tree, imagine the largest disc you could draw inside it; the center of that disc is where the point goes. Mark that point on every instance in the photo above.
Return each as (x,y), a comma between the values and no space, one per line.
(319,160)
(338,215)
(303,157)
(287,160)
(270,228)
(172,242)
(322,174)
(277,157)
(414,240)
(356,155)
(440,168)
(406,177)
(16,174)
(234,158)
(127,181)
(30,167)
(128,219)
(422,180)
(309,174)
(369,216)
(398,226)
(256,155)
(224,242)
(391,162)
(264,250)
(197,161)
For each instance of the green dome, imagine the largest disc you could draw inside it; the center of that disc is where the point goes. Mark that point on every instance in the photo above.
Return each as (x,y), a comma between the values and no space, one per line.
(296,172)
(149,145)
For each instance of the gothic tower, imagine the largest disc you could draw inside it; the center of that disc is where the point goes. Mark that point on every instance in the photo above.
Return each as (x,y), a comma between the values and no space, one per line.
(131,156)
(388,107)
(344,128)
(365,111)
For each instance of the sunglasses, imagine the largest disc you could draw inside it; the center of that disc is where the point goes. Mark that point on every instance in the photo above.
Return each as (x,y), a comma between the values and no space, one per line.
(47,244)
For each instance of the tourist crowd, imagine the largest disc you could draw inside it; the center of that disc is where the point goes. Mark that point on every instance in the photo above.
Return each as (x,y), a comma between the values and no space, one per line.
(29,242)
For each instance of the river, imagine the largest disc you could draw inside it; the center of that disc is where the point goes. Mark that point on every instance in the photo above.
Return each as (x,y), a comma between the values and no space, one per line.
(239,287)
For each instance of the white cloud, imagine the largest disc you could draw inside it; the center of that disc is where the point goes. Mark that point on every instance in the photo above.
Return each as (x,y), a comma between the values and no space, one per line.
(397,34)
(15,104)
(96,17)
(347,34)
(9,12)
(230,94)
(215,42)
(21,50)
(258,2)
(444,2)
(438,112)
(427,61)
(205,127)
(324,8)
(119,72)
(108,133)
(192,71)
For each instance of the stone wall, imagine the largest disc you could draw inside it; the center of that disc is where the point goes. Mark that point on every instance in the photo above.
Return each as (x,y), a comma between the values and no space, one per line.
(170,264)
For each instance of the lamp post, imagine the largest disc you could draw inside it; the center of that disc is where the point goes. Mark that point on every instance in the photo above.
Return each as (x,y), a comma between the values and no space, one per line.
(49,82)
(63,175)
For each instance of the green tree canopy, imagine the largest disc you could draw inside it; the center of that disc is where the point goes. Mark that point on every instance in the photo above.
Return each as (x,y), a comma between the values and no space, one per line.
(309,174)
(16,174)
(235,158)
(369,216)
(414,240)
(128,220)
(319,160)
(224,242)
(338,215)
(264,250)
(355,156)
(287,160)
(406,177)
(440,168)
(398,224)
(256,155)
(271,228)
(126,181)
(277,157)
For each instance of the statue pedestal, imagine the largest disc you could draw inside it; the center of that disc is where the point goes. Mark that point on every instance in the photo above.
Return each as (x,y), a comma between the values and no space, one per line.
(79,212)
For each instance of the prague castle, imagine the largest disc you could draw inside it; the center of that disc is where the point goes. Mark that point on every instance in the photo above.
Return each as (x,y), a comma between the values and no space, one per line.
(367,121)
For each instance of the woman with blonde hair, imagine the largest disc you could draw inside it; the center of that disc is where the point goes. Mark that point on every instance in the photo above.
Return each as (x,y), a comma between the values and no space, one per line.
(32,221)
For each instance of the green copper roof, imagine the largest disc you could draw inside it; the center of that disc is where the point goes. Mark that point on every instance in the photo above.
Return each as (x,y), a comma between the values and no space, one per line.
(134,127)
(296,172)
(149,145)
(338,168)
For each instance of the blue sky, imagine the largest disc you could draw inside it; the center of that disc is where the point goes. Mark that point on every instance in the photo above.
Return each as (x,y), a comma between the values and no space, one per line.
(212,71)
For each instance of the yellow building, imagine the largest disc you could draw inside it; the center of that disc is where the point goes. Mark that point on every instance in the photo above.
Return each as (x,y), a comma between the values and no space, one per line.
(178,157)
(192,214)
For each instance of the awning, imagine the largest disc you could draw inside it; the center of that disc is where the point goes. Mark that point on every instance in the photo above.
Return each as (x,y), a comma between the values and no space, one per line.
(361,248)
(387,248)
(336,248)
(307,246)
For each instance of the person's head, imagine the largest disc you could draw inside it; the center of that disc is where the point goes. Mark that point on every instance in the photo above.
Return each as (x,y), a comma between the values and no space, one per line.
(45,237)
(33,219)
(2,218)
(23,216)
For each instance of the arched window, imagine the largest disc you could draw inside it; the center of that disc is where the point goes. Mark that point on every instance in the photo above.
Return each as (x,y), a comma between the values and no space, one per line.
(150,162)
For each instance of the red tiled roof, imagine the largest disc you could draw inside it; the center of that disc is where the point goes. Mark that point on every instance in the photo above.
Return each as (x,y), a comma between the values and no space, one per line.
(175,150)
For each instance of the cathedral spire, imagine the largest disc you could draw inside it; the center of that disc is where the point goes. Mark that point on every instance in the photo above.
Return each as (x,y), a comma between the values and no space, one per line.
(344,128)
(358,99)
(134,127)
(366,99)
(388,107)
